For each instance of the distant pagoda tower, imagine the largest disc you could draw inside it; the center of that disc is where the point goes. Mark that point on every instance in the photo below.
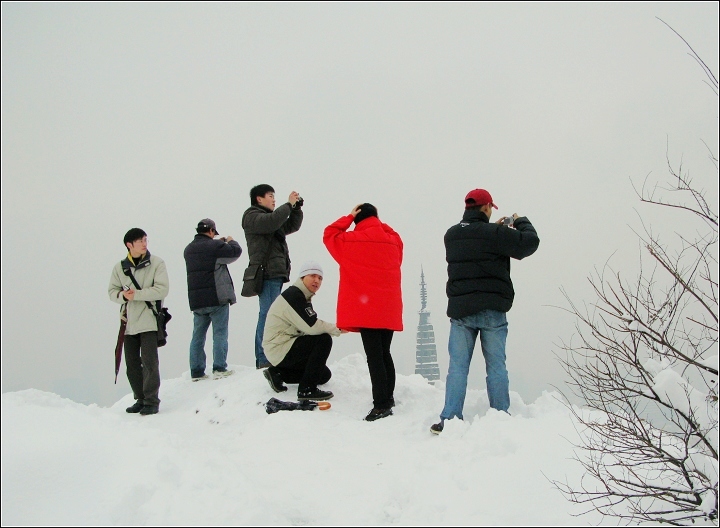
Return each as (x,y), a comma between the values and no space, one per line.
(425,354)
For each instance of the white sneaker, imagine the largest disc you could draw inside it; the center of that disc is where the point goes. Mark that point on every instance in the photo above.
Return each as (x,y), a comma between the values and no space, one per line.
(217,374)
(203,377)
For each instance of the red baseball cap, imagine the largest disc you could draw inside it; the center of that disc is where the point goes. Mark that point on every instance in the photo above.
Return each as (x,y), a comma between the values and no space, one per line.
(478,197)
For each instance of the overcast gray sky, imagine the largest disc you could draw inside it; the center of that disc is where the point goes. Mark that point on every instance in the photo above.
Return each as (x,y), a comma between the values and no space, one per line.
(155,115)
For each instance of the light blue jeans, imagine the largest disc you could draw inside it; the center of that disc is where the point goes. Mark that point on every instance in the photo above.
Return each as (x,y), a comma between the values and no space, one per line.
(202,317)
(492,327)
(271,290)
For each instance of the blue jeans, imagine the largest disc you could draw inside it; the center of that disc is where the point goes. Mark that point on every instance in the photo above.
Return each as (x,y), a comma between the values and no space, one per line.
(202,317)
(492,326)
(271,290)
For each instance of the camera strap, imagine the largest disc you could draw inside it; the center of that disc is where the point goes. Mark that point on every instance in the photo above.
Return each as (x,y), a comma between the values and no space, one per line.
(129,273)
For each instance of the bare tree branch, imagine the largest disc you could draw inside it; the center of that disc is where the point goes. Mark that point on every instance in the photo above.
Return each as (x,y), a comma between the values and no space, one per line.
(643,359)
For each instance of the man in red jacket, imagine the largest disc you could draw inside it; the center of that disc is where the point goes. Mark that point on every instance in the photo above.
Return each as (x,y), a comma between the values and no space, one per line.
(370,294)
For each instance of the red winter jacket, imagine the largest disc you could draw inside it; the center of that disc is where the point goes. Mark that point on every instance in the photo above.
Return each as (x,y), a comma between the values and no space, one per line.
(370,256)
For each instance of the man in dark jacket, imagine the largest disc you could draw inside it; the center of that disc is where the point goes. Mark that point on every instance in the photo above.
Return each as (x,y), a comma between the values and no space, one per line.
(480,293)
(265,229)
(210,292)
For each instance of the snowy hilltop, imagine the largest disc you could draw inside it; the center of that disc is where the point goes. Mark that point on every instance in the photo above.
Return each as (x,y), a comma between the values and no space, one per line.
(214,456)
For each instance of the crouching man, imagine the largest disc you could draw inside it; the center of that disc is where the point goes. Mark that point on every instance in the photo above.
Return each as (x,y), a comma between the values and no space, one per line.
(296,342)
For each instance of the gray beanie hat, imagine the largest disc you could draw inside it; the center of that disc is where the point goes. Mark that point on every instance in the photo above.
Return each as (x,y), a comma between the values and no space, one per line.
(310,267)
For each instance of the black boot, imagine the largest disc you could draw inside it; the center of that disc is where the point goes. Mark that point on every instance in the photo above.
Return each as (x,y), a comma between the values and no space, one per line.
(376,414)
(135,407)
(274,379)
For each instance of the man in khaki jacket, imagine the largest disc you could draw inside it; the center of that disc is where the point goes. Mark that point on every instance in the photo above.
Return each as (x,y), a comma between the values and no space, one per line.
(141,346)
(296,342)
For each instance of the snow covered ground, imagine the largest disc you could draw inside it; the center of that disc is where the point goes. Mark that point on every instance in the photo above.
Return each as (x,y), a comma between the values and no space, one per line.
(213,456)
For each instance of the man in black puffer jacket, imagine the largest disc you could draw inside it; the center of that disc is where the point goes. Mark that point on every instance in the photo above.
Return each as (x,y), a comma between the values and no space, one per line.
(480,293)
(210,292)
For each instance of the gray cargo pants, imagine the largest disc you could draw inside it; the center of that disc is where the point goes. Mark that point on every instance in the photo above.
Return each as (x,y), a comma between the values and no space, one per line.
(143,366)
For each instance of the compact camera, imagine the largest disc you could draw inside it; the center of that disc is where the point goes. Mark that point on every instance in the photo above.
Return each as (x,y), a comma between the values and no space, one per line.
(300,201)
(508,221)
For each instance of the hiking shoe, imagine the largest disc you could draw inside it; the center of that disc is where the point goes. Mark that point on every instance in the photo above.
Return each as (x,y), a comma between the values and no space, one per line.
(217,374)
(376,414)
(314,394)
(198,378)
(436,428)
(274,379)
(149,409)
(135,407)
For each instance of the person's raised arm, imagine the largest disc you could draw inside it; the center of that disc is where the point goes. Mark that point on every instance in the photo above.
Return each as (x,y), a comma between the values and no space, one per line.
(258,222)
(333,234)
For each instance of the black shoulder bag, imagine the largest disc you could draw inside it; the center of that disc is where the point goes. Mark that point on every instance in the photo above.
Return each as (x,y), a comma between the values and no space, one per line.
(161,314)
(254,276)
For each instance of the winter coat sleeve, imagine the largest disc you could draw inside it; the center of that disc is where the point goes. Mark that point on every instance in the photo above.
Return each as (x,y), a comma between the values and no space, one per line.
(333,236)
(228,252)
(258,222)
(318,327)
(522,241)
(294,222)
(306,323)
(115,287)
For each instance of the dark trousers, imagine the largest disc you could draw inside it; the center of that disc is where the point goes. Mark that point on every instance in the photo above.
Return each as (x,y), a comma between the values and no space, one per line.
(380,363)
(143,366)
(304,363)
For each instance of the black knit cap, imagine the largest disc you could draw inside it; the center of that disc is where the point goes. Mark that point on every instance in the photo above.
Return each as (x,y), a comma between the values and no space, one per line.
(366,211)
